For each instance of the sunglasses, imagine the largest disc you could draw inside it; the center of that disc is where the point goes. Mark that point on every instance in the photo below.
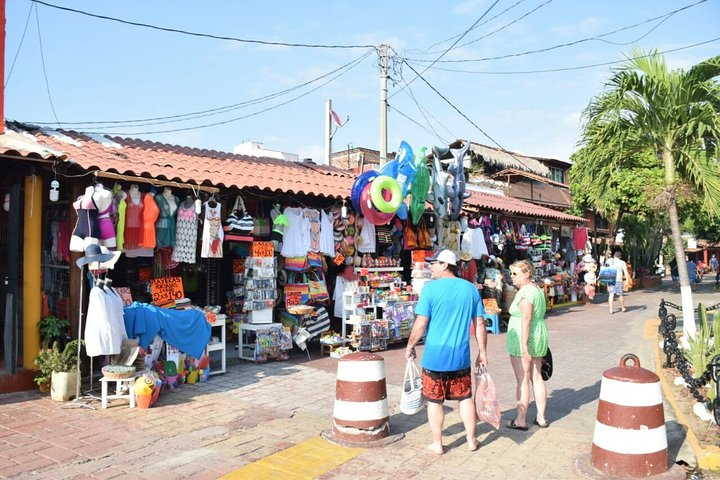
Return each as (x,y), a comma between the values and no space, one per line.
(513,274)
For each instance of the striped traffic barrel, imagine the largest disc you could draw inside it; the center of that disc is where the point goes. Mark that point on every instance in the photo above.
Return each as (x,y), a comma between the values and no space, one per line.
(630,438)
(360,414)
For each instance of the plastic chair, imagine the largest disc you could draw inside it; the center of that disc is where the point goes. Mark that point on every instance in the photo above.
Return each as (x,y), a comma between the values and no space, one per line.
(494,327)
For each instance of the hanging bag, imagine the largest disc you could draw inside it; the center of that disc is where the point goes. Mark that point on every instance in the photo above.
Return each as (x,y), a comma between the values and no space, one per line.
(486,404)
(293,288)
(411,399)
(296,264)
(317,287)
(316,260)
(608,274)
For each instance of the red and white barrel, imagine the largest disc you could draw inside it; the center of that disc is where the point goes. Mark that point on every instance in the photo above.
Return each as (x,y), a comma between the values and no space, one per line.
(361,413)
(630,438)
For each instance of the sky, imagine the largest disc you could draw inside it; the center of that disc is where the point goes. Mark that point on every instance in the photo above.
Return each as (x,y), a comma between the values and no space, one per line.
(66,67)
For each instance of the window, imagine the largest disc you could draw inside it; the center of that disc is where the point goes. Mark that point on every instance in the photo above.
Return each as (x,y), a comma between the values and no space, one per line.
(557,174)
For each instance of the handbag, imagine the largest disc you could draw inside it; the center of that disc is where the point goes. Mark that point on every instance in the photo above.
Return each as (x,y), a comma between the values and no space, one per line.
(261,228)
(411,399)
(316,260)
(239,221)
(318,324)
(607,274)
(296,264)
(293,288)
(486,404)
(318,288)
(423,234)
(546,366)
(409,237)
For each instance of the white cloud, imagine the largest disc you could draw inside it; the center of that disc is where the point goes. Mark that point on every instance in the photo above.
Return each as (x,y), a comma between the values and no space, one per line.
(586,26)
(468,6)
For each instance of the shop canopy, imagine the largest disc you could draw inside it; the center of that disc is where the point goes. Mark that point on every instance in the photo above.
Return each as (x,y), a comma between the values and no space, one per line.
(489,202)
(140,158)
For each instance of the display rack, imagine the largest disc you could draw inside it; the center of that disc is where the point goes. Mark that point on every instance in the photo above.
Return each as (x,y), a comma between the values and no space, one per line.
(242,338)
(260,289)
(218,346)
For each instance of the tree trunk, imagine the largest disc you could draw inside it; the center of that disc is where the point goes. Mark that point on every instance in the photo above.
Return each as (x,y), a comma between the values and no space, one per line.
(685,290)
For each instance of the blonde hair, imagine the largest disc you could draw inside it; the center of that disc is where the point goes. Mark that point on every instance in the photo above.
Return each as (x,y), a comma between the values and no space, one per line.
(525,266)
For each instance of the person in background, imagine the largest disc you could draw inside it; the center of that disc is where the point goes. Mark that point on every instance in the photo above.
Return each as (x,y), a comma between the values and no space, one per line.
(347,275)
(692,272)
(447,308)
(700,270)
(621,277)
(674,275)
(527,344)
(714,263)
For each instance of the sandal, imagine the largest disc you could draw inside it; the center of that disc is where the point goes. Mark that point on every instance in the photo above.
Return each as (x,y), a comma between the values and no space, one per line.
(512,426)
(623,309)
(541,425)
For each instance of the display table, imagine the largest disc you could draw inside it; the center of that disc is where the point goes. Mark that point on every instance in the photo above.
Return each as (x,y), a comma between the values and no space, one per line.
(219,346)
(252,327)
(120,384)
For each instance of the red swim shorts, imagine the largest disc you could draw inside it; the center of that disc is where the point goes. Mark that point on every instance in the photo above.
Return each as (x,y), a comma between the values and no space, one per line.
(440,386)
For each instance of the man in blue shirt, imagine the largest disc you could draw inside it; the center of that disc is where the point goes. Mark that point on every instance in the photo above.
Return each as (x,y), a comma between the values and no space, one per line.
(445,312)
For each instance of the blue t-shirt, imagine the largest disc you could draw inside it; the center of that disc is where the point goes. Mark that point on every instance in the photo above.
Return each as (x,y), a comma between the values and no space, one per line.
(450,304)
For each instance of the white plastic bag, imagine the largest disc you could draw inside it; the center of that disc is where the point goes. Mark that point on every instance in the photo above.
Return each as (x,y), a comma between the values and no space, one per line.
(411,400)
(486,404)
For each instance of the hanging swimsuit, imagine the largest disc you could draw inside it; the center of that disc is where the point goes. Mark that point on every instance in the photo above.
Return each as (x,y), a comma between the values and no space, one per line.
(106,227)
(86,227)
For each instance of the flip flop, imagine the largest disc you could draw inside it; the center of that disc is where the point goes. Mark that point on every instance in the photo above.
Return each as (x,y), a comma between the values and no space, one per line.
(623,310)
(542,425)
(512,426)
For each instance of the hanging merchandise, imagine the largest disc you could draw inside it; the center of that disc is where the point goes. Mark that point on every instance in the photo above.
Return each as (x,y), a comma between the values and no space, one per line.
(103,200)
(166,224)
(133,233)
(327,244)
(239,220)
(296,236)
(438,196)
(420,186)
(186,232)
(312,218)
(456,189)
(212,231)
(86,230)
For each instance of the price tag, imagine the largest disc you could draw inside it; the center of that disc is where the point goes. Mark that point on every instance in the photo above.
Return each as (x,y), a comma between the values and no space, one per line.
(238,265)
(166,290)
(339,259)
(293,298)
(262,249)
(125,294)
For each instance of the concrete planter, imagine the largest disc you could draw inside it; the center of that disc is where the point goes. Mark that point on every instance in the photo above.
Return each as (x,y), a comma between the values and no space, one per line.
(63,386)
(650,281)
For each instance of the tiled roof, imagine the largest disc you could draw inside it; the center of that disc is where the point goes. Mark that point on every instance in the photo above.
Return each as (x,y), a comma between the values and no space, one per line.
(135,157)
(512,206)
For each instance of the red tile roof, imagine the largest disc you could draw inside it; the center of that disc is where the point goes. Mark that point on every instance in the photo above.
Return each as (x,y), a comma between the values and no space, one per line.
(513,206)
(188,165)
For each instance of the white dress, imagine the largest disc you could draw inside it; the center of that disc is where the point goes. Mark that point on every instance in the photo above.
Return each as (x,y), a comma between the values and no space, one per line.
(102,332)
(296,237)
(366,241)
(185,234)
(212,239)
(327,243)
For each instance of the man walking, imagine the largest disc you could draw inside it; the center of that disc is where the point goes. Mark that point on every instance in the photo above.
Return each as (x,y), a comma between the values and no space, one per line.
(620,276)
(447,308)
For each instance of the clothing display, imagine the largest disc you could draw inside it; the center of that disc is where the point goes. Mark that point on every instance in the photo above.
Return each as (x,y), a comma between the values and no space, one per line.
(86,230)
(103,200)
(186,234)
(104,329)
(165,226)
(212,237)
(296,235)
(133,233)
(151,212)
(327,243)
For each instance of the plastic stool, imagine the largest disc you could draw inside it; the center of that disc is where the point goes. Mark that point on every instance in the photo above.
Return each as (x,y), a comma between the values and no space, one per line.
(493,328)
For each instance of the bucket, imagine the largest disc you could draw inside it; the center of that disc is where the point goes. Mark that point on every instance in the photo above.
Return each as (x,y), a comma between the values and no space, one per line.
(144,400)
(192,377)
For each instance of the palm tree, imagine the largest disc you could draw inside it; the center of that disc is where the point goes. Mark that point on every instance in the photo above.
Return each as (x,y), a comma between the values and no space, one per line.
(676,115)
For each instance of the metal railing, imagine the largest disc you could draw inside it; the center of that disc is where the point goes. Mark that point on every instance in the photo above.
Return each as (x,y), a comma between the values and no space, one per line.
(668,324)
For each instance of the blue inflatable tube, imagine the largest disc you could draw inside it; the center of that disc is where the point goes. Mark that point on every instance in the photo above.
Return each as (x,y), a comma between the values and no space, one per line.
(358,186)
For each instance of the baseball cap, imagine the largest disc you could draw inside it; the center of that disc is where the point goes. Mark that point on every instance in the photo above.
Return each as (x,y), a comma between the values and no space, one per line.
(445,256)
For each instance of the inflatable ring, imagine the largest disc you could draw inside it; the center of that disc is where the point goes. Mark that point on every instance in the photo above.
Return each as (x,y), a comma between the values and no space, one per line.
(358,186)
(369,212)
(377,187)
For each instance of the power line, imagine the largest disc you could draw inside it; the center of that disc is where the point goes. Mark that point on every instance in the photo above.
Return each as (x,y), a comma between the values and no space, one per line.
(407,84)
(196,34)
(12,67)
(423,111)
(464,116)
(202,113)
(42,58)
(579,67)
(431,132)
(355,64)
(563,45)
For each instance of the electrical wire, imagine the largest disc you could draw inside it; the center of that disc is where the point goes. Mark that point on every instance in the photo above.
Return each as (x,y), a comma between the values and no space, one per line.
(202,113)
(407,84)
(224,122)
(579,67)
(42,58)
(196,34)
(427,50)
(423,111)
(415,122)
(465,116)
(568,44)
(22,39)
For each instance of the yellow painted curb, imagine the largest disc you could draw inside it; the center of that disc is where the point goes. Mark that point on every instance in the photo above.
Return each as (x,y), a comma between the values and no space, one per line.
(307,460)
(708,458)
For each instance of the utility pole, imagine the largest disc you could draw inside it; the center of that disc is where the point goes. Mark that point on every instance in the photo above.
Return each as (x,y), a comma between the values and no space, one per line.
(328,131)
(383,102)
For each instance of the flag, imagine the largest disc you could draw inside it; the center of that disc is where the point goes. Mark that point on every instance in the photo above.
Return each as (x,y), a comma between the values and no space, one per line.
(336,117)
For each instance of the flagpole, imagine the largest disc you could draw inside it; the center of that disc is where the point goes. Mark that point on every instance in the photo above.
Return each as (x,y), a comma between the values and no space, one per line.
(328,131)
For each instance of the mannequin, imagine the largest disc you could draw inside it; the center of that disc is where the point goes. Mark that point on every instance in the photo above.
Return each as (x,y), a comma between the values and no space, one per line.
(101,197)
(134,193)
(103,200)
(170,199)
(188,203)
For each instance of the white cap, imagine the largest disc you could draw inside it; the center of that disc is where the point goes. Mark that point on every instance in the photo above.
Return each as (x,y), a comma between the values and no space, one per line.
(445,256)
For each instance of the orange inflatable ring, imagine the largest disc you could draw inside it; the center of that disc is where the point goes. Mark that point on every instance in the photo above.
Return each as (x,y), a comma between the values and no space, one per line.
(382,184)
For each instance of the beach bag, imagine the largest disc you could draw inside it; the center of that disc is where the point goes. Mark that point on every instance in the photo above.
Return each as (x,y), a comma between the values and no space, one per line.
(296,264)
(293,287)
(316,260)
(319,323)
(486,404)
(239,221)
(261,228)
(409,237)
(318,288)
(423,235)
(411,399)
(546,366)
(607,274)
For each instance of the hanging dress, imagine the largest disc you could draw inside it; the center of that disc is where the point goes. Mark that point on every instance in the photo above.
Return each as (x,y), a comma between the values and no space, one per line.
(150,216)
(120,230)
(327,242)
(296,236)
(212,232)
(166,223)
(186,234)
(133,223)
(312,217)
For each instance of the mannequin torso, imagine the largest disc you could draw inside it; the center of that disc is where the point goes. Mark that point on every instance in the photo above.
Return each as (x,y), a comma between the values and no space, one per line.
(170,199)
(134,193)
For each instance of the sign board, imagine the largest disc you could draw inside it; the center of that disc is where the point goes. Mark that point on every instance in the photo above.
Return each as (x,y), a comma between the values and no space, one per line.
(262,249)
(125,294)
(420,255)
(238,265)
(166,290)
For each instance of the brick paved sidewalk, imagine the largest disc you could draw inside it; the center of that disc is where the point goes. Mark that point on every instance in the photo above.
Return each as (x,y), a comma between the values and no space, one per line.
(210,429)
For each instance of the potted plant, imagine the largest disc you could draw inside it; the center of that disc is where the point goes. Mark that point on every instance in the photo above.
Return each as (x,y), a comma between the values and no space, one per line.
(53,329)
(58,368)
